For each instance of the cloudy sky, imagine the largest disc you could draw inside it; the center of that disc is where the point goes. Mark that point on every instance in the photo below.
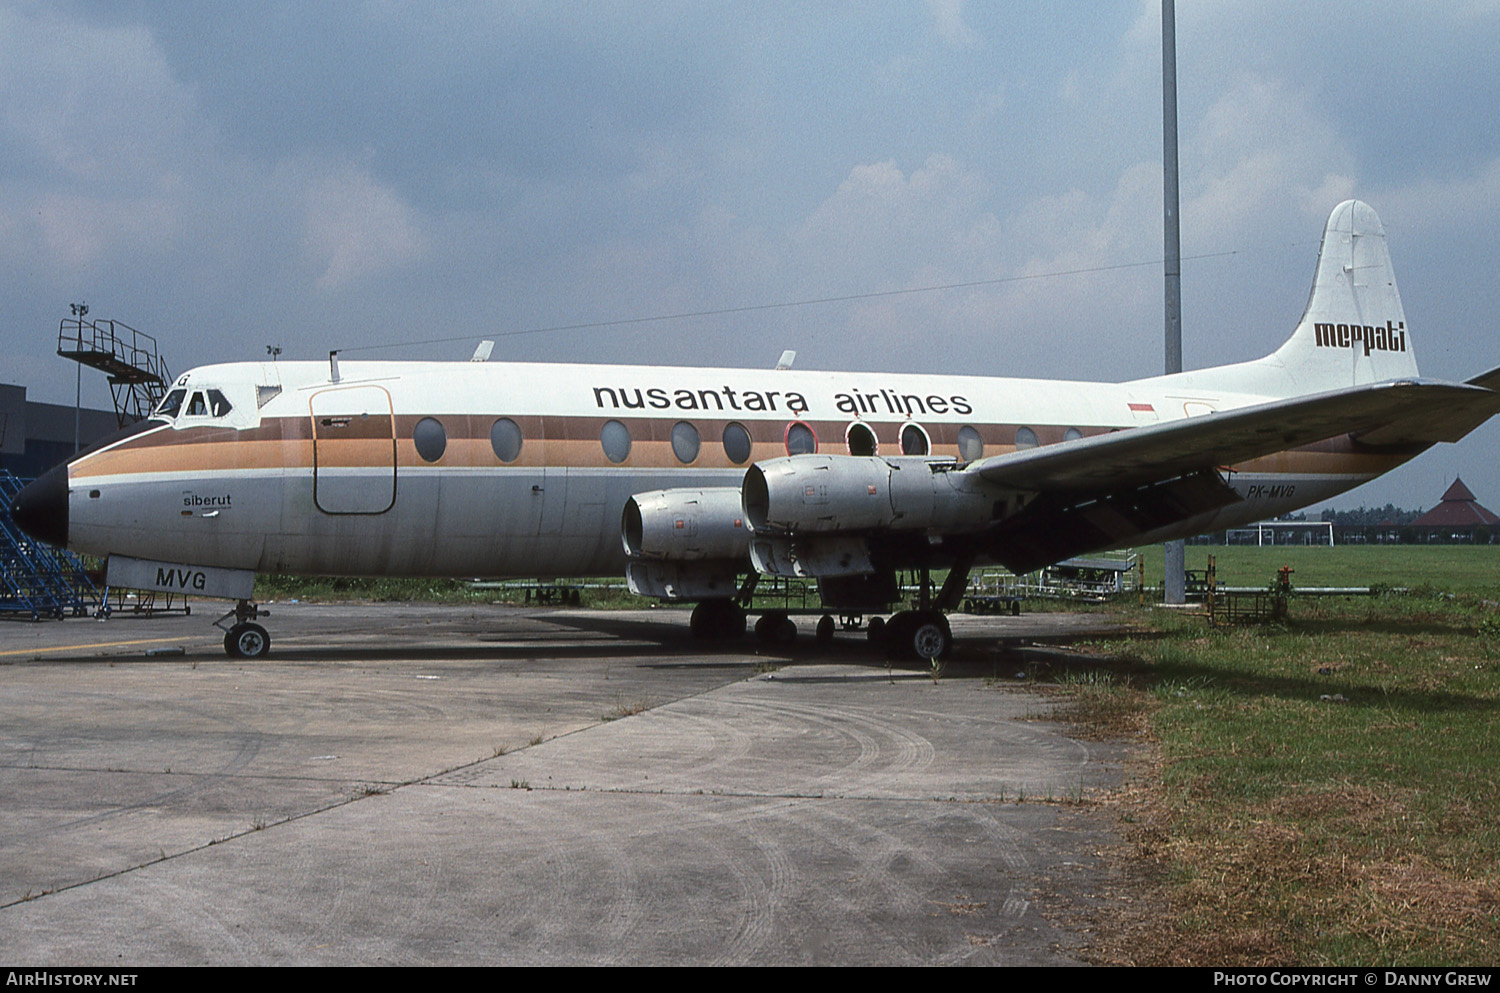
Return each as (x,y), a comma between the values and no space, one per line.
(312,175)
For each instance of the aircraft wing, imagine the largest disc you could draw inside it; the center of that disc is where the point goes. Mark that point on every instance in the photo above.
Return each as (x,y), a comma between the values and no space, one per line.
(1387,413)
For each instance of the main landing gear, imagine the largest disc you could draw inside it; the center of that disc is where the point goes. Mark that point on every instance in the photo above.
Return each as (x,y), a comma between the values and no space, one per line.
(924,633)
(245,639)
(719,619)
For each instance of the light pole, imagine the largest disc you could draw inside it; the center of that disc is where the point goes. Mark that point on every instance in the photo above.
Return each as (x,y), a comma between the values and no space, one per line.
(80,311)
(1174,581)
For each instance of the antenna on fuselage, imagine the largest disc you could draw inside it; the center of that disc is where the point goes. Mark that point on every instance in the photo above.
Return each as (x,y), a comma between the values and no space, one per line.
(787,358)
(482,353)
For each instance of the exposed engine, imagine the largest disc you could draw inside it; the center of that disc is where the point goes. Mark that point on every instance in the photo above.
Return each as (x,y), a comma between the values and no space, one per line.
(819,494)
(684,544)
(685,525)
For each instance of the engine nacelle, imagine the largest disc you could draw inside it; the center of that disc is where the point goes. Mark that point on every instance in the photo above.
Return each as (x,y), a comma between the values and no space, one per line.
(685,525)
(809,494)
(810,556)
(684,580)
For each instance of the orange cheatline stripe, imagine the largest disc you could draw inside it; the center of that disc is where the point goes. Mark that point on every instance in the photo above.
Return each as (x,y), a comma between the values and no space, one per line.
(284,444)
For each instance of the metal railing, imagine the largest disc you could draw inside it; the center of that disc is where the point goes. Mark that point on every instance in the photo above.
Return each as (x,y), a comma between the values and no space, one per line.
(37,580)
(138,376)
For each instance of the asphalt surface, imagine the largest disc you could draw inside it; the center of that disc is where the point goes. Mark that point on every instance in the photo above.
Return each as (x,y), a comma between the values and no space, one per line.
(457,785)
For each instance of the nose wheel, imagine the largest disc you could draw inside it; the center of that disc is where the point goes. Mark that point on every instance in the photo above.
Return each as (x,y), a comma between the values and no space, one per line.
(245,639)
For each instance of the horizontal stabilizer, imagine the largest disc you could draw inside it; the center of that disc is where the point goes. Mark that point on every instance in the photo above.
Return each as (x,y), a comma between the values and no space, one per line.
(1442,421)
(1489,380)
(1163,451)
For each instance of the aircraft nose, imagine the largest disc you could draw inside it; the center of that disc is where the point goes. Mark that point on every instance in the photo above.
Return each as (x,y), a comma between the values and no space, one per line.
(41,508)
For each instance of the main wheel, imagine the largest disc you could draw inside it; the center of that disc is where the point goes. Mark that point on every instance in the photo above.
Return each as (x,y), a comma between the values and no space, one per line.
(718,620)
(930,636)
(247,641)
(823,634)
(775,628)
(895,637)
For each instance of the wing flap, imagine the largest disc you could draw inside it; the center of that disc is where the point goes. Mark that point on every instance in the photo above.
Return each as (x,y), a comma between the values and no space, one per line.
(1163,451)
(1058,525)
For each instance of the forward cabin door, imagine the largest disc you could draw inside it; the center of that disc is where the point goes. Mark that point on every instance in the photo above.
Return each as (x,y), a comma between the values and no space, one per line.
(354,450)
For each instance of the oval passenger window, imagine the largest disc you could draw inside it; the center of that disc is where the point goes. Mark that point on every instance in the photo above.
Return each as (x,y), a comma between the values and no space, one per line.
(800,439)
(685,442)
(737,443)
(430,438)
(615,437)
(861,439)
(970,445)
(505,439)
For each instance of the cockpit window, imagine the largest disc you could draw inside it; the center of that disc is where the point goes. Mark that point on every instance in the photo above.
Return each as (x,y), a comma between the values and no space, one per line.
(265,394)
(170,404)
(217,405)
(196,407)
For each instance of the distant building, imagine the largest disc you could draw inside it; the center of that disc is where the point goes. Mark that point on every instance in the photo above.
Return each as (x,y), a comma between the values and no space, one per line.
(34,436)
(1457,518)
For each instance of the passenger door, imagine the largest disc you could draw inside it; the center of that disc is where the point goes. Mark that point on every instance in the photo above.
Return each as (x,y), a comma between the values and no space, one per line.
(354,450)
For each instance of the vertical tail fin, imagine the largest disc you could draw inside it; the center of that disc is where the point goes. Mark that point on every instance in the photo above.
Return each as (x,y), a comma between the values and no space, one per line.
(1354,329)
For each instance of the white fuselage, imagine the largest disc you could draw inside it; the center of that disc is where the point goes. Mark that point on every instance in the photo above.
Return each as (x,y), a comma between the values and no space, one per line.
(522,469)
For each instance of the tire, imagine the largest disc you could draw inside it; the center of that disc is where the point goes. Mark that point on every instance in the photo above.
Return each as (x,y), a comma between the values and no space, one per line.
(896,638)
(875,630)
(718,620)
(731,622)
(247,641)
(700,624)
(824,632)
(775,628)
(929,636)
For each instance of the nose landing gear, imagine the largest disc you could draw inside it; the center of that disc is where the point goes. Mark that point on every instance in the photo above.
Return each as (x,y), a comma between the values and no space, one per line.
(245,639)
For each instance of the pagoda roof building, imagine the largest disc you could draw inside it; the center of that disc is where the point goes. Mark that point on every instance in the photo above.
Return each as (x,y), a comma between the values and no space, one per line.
(1458,509)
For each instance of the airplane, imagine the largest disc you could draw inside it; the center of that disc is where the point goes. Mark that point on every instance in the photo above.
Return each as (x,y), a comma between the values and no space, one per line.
(694,482)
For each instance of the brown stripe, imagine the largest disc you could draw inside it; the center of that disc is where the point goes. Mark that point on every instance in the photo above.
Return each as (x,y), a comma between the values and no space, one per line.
(573,442)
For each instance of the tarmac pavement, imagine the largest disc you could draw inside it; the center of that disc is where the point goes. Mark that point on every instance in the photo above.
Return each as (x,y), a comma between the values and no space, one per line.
(489,785)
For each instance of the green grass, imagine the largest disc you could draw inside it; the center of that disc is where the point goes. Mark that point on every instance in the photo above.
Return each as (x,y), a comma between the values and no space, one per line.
(1453,568)
(1287,825)
(337,588)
